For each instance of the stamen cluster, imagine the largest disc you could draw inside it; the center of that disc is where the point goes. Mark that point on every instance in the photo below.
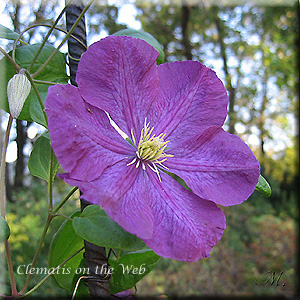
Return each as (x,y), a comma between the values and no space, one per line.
(150,149)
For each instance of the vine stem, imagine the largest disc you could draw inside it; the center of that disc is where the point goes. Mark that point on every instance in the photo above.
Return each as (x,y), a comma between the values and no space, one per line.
(3,166)
(43,43)
(51,215)
(64,40)
(48,34)
(66,32)
(44,82)
(16,66)
(37,95)
(51,273)
(38,250)
(2,202)
(49,219)
(76,286)
(44,40)
(50,181)
(56,209)
(63,216)
(13,285)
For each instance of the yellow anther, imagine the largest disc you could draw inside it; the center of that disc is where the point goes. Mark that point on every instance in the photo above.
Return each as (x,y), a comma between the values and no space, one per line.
(150,150)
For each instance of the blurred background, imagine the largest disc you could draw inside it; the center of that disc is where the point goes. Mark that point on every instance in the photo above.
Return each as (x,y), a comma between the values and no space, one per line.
(253,47)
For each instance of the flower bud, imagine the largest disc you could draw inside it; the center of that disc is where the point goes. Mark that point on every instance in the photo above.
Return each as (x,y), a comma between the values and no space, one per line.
(18,89)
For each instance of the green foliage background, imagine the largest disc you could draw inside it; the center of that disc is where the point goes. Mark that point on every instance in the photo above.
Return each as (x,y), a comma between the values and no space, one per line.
(255,241)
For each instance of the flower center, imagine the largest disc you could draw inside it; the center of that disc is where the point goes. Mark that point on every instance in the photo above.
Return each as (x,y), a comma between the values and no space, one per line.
(150,150)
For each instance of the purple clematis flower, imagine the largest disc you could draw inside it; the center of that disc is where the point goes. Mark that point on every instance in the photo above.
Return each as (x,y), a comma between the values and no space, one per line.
(173,113)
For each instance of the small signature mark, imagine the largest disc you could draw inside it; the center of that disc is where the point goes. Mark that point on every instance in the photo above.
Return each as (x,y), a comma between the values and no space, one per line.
(271,278)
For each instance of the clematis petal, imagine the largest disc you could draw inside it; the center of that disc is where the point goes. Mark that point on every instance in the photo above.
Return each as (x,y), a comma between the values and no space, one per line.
(172,221)
(191,98)
(123,192)
(217,166)
(118,74)
(82,138)
(185,226)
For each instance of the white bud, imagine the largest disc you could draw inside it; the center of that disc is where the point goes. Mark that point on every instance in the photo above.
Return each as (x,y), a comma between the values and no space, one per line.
(18,89)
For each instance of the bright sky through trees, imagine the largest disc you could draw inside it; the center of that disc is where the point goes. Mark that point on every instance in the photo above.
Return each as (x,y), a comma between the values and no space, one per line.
(127,15)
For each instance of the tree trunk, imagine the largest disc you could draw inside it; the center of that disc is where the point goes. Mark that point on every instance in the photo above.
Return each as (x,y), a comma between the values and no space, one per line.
(95,256)
(231,89)
(185,16)
(264,102)
(15,17)
(8,185)
(20,163)
(262,118)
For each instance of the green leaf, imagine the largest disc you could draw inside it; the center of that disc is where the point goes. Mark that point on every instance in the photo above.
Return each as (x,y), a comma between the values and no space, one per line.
(4,230)
(64,244)
(6,33)
(55,71)
(178,179)
(40,158)
(46,135)
(130,269)
(96,227)
(147,37)
(263,186)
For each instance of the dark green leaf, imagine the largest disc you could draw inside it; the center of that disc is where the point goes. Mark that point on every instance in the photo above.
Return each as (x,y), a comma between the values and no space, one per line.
(4,230)
(63,245)
(96,227)
(263,186)
(130,269)
(40,157)
(6,33)
(55,72)
(147,37)
(178,179)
